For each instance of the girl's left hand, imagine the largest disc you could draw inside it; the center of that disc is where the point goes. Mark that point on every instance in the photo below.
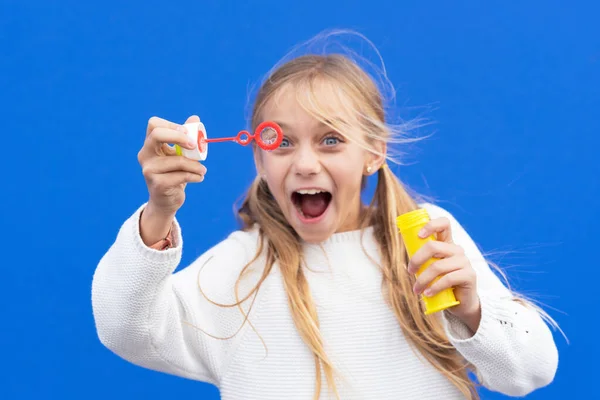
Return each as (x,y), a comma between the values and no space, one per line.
(453,268)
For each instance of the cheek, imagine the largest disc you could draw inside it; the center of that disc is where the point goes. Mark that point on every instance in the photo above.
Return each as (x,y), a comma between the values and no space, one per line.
(348,178)
(276,174)
(349,175)
(351,167)
(274,168)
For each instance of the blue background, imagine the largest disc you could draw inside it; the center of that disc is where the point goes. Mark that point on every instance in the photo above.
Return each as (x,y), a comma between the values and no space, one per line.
(512,89)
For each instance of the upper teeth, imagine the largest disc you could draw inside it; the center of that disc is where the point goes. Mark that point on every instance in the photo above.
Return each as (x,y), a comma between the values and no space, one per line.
(310,191)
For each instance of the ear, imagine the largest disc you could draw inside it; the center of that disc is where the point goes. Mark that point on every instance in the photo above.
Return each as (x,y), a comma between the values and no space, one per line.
(375,160)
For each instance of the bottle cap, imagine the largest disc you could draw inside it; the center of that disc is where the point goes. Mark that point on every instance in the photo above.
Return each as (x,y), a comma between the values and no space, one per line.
(411,219)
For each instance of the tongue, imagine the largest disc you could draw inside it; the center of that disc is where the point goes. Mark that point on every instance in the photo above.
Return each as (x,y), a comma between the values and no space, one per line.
(313,205)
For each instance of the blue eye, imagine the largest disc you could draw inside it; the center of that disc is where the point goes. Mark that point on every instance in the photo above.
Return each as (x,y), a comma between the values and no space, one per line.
(331,140)
(284,143)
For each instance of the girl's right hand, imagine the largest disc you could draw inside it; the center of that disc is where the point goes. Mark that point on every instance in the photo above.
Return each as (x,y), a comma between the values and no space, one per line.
(165,172)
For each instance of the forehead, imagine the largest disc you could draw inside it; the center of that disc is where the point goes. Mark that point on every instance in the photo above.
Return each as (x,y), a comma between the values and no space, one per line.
(309,104)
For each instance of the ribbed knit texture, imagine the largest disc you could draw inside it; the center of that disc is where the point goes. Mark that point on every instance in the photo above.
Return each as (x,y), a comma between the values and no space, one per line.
(160,320)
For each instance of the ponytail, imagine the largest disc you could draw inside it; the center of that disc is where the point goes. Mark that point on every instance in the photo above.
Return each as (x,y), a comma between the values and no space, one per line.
(424,332)
(284,247)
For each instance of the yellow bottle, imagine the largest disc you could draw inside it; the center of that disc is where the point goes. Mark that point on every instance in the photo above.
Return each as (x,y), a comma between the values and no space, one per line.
(409,224)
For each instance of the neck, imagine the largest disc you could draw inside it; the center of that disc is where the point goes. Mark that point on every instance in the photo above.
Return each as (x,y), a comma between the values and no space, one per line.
(356,220)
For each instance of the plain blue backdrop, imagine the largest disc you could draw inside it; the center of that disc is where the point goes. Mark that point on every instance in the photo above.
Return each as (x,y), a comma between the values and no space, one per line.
(512,90)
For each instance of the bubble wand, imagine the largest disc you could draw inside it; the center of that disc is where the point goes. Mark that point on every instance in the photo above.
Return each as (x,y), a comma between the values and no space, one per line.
(268,136)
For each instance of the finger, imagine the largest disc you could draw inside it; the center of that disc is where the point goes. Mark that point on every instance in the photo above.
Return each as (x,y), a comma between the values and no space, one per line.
(438,269)
(156,122)
(162,165)
(462,277)
(170,180)
(441,227)
(147,152)
(158,136)
(432,249)
(192,119)
(169,150)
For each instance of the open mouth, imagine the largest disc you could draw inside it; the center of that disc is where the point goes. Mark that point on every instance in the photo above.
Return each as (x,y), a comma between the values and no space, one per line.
(311,204)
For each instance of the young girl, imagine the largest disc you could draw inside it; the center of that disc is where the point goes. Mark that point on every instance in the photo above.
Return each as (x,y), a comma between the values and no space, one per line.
(314,297)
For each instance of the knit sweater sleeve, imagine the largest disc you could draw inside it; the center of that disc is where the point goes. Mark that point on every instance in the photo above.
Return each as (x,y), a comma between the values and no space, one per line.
(160,320)
(513,350)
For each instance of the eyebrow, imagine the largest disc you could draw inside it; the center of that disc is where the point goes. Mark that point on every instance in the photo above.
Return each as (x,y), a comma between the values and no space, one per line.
(287,127)
(283,125)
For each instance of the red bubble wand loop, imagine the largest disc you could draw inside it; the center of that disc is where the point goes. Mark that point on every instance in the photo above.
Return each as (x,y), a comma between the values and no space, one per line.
(270,129)
(268,136)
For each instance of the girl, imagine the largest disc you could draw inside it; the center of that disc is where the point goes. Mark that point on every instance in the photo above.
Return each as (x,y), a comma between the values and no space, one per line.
(314,297)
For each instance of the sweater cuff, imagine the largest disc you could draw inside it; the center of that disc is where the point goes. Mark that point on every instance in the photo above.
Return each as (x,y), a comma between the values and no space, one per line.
(170,255)
(494,313)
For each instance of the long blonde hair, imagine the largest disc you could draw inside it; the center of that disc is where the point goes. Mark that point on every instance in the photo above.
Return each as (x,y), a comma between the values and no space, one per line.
(361,101)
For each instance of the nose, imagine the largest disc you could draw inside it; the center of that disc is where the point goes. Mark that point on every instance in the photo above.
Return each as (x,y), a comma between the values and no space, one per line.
(306,162)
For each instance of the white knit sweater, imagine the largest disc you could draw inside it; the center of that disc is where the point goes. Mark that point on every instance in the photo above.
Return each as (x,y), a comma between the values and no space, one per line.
(160,320)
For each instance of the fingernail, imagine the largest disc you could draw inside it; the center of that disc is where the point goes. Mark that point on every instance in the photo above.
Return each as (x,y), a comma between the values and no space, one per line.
(422,233)
(427,292)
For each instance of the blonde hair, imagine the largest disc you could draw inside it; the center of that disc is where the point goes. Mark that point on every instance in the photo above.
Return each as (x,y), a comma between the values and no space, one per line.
(360,115)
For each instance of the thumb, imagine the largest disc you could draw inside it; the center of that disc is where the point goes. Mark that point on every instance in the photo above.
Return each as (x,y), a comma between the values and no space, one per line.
(192,119)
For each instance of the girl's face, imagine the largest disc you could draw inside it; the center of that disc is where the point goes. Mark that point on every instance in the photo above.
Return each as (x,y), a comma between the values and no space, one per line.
(315,175)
